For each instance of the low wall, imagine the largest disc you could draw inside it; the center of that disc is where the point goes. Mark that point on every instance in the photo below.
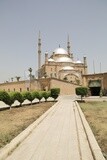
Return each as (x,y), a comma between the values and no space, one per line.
(65,87)
(20,86)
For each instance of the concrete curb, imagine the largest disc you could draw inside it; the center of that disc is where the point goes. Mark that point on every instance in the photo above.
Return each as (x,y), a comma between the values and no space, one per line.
(95,149)
(4,152)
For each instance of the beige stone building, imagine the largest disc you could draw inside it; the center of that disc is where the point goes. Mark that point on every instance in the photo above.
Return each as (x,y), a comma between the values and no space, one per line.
(60,69)
(95,82)
(62,65)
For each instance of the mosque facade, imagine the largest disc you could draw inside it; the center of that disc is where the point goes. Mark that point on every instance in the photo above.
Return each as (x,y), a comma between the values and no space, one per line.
(61,70)
(61,65)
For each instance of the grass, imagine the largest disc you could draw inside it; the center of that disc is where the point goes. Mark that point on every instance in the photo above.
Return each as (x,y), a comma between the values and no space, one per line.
(14,121)
(96,115)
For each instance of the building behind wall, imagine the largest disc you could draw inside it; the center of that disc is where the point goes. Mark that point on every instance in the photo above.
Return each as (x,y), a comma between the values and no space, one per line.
(62,65)
(95,82)
(62,70)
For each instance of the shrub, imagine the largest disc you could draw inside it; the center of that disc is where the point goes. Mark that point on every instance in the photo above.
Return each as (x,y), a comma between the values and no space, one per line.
(55,92)
(34,93)
(46,94)
(27,95)
(82,91)
(12,99)
(18,96)
(4,96)
(39,95)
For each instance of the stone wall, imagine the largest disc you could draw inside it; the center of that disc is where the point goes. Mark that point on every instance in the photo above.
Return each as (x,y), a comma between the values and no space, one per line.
(65,87)
(40,84)
(20,86)
(105,81)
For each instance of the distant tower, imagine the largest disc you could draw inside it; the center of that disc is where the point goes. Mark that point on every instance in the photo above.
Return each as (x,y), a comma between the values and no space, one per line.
(39,54)
(46,57)
(85,65)
(68,48)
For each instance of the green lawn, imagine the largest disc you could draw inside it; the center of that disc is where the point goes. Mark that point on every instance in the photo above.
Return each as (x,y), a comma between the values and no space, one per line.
(96,115)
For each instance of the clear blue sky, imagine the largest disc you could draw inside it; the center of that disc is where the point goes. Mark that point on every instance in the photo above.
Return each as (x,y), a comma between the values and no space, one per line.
(20,21)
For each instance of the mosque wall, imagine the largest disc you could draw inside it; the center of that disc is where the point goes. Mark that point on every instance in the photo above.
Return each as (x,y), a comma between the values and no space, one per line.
(20,86)
(48,83)
(65,87)
(52,70)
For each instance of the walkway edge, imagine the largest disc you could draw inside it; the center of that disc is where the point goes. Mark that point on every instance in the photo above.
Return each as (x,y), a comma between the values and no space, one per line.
(4,152)
(96,151)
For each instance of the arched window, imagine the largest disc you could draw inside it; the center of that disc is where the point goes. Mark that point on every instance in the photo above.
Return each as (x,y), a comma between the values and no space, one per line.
(20,89)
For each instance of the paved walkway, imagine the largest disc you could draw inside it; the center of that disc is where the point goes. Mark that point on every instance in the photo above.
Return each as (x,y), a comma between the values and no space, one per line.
(60,136)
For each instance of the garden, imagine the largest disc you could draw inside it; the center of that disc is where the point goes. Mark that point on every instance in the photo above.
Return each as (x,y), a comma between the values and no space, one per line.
(14,120)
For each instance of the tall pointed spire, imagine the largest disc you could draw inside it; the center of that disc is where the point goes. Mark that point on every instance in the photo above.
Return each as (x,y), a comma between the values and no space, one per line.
(39,53)
(69,48)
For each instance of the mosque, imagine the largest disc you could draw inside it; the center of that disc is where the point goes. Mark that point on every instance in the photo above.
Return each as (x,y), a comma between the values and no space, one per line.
(61,70)
(61,65)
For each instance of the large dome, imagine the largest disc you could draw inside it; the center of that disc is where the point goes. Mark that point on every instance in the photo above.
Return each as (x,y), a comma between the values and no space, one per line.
(60,51)
(64,59)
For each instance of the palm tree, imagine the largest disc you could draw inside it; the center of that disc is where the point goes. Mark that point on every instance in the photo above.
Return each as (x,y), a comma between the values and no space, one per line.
(18,78)
(30,75)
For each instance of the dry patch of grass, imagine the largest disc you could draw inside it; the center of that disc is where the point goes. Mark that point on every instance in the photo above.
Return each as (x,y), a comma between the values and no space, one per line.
(96,115)
(14,121)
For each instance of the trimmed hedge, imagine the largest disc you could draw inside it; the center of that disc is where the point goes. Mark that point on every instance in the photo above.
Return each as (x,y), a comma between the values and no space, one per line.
(12,99)
(16,96)
(55,93)
(4,96)
(82,91)
(46,94)
(38,95)
(27,95)
(9,98)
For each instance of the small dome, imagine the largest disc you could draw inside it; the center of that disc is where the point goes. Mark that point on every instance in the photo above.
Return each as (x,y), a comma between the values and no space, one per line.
(50,60)
(78,61)
(67,68)
(64,59)
(60,51)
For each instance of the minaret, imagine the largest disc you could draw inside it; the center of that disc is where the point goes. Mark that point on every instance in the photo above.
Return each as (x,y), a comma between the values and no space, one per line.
(68,48)
(85,65)
(46,57)
(39,54)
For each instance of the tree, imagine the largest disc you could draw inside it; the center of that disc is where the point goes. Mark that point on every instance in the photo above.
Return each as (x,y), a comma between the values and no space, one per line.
(12,99)
(82,91)
(46,94)
(18,96)
(55,93)
(27,95)
(4,96)
(18,78)
(37,94)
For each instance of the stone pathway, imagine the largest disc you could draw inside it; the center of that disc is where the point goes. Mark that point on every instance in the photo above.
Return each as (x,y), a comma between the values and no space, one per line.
(60,136)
